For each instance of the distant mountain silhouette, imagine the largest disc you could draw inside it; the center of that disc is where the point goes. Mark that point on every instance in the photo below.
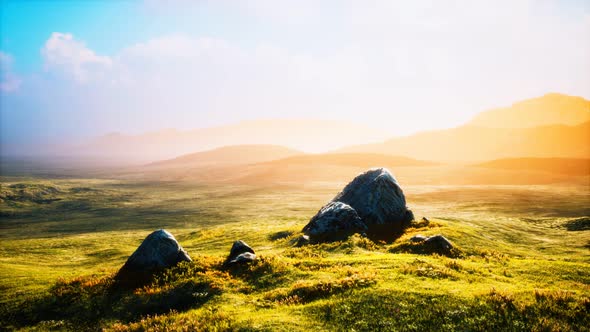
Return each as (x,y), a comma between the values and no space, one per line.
(568,166)
(550,109)
(553,125)
(309,135)
(472,143)
(550,126)
(366,160)
(325,168)
(294,169)
(230,155)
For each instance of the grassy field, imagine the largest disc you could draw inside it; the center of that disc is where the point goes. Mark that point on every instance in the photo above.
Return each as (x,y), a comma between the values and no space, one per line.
(522,263)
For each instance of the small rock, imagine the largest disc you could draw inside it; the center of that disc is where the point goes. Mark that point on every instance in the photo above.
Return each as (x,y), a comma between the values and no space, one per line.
(439,243)
(302,241)
(425,219)
(240,252)
(334,221)
(159,250)
(245,257)
(418,238)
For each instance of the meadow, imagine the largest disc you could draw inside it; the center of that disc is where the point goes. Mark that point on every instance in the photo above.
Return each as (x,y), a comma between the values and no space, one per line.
(522,260)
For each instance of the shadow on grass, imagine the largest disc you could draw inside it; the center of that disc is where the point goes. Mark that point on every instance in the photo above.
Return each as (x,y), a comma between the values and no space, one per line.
(265,272)
(82,216)
(280,235)
(87,302)
(579,224)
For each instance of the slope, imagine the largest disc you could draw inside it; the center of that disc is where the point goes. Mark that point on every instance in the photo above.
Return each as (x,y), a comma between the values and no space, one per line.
(550,109)
(471,143)
(228,155)
(567,166)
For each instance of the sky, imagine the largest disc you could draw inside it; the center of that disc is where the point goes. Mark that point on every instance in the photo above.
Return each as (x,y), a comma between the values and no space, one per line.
(77,69)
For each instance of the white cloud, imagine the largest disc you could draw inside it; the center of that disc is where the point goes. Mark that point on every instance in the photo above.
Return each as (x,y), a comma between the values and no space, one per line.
(9,82)
(70,56)
(399,65)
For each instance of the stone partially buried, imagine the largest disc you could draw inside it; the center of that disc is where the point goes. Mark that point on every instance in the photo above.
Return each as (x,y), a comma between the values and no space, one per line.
(334,221)
(158,251)
(240,253)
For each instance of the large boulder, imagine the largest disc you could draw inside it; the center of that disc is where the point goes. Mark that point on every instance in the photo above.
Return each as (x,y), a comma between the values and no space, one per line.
(376,198)
(158,251)
(334,221)
(240,253)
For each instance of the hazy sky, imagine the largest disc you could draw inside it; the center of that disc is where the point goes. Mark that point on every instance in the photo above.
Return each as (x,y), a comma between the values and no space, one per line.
(88,67)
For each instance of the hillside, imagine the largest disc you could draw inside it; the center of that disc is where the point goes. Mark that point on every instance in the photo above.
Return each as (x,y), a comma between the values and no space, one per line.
(228,155)
(550,109)
(471,143)
(521,262)
(566,166)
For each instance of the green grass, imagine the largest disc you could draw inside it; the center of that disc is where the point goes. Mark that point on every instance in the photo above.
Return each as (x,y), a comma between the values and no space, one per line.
(522,259)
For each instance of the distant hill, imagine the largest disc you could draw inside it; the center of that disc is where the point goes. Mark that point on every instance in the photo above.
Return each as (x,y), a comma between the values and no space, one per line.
(300,169)
(566,166)
(550,109)
(307,135)
(365,160)
(230,155)
(553,125)
(471,143)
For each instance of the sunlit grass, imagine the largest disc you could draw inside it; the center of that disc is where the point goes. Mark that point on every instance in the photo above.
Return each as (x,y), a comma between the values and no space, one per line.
(522,264)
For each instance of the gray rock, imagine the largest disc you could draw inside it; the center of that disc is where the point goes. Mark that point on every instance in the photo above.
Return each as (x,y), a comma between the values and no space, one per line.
(159,250)
(376,196)
(240,252)
(334,221)
(439,243)
(418,238)
(245,257)
(302,241)
(380,203)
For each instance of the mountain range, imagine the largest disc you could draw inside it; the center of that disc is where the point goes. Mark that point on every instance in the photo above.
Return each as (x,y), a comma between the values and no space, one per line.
(543,134)
(553,125)
(299,134)
(541,140)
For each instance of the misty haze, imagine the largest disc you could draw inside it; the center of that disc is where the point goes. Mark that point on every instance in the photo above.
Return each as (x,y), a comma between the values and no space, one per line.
(294,165)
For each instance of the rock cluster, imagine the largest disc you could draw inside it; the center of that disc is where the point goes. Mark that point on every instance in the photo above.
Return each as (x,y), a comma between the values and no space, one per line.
(158,250)
(372,203)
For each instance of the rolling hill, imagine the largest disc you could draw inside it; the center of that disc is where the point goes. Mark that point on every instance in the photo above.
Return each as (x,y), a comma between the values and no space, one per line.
(306,135)
(471,143)
(545,127)
(365,160)
(228,155)
(330,168)
(567,166)
(303,168)
(550,109)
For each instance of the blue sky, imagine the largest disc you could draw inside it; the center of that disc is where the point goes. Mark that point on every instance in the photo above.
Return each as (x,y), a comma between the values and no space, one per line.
(77,69)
